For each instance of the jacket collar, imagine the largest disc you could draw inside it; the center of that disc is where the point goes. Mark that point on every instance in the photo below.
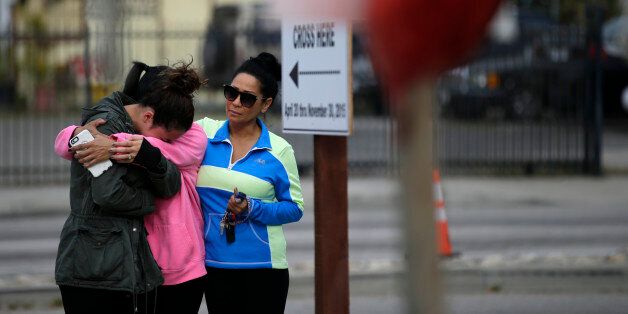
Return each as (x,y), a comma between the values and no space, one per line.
(114,102)
(263,142)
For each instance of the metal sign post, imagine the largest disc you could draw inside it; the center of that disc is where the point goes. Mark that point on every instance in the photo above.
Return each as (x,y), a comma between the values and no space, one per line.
(316,99)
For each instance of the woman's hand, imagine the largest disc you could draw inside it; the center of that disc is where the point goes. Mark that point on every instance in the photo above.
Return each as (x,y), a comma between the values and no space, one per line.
(237,205)
(125,152)
(91,127)
(96,151)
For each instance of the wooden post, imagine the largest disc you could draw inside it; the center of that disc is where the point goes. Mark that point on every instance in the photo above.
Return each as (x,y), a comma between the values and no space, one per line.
(331,242)
(415,122)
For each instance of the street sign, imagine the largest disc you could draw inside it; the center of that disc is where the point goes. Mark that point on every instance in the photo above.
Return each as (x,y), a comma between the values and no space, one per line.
(316,71)
(317,99)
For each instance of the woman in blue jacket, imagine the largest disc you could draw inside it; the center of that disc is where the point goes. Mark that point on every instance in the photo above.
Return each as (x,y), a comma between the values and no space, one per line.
(244,242)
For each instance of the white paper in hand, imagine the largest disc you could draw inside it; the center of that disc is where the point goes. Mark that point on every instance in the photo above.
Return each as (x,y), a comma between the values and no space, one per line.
(82,138)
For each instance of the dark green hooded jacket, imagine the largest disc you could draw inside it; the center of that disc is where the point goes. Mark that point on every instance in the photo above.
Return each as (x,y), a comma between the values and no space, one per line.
(103,242)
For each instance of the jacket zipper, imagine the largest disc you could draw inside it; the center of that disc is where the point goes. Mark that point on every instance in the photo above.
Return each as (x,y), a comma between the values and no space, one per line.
(243,157)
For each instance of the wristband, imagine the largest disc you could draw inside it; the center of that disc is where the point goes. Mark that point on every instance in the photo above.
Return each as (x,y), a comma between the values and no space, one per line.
(149,157)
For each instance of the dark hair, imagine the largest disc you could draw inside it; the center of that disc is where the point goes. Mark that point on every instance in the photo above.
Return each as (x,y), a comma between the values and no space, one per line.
(168,90)
(266,69)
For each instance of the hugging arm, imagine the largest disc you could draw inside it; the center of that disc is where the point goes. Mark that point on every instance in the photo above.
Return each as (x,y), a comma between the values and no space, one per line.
(163,175)
(186,152)
(114,194)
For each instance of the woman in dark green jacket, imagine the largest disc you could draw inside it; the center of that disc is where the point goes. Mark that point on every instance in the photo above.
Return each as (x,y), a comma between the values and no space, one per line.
(104,264)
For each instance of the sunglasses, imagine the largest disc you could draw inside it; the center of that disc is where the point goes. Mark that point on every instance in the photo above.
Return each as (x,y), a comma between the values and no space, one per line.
(246,99)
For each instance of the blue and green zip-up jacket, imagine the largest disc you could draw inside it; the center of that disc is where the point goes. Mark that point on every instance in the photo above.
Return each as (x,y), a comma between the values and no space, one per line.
(268,175)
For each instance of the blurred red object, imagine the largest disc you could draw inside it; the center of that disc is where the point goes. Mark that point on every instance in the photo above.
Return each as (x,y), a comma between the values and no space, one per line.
(412,39)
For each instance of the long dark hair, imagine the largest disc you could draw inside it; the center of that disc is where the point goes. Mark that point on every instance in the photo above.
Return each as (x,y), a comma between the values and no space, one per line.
(169,90)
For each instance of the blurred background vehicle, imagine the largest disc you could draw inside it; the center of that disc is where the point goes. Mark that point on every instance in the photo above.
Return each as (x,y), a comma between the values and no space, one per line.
(615,67)
(540,71)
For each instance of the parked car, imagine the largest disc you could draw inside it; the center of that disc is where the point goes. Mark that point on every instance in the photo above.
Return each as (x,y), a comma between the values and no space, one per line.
(541,74)
(615,67)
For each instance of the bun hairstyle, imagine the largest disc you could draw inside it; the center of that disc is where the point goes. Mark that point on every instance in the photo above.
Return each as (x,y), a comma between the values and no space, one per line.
(266,69)
(181,79)
(169,90)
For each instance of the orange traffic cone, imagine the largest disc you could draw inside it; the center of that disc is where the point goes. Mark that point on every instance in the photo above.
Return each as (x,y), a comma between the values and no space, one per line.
(442,227)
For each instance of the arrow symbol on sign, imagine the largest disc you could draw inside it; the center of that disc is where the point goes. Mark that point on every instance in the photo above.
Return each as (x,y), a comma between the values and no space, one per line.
(294,73)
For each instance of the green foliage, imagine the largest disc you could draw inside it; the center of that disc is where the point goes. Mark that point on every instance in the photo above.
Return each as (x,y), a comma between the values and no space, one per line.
(36,54)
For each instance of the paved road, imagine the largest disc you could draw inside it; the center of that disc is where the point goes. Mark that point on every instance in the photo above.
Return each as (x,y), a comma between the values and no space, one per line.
(466,304)
(497,224)
(577,216)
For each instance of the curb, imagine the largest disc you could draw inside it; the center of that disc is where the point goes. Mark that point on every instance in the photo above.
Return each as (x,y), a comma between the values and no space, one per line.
(43,200)
(34,201)
(609,271)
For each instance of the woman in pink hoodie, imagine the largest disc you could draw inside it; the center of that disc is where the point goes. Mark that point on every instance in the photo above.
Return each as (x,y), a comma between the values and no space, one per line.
(175,228)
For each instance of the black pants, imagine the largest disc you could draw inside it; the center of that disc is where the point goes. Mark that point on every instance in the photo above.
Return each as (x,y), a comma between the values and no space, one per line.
(182,298)
(77,300)
(236,291)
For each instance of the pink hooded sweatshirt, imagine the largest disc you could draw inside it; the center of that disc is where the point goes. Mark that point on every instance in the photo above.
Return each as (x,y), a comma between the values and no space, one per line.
(175,228)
